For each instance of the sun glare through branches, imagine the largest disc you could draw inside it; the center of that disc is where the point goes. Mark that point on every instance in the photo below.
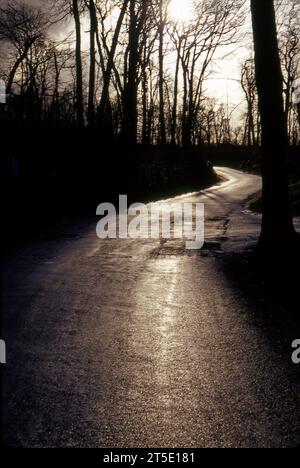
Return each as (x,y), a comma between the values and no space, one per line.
(181,10)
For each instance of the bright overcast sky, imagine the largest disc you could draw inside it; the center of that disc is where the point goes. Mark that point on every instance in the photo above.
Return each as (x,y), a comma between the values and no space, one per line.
(224,86)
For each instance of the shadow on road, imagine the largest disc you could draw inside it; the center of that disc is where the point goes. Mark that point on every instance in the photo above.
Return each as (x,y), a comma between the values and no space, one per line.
(273,296)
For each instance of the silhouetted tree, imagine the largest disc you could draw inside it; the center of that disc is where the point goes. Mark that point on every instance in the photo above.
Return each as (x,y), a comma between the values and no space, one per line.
(289,42)
(21,26)
(111,52)
(277,223)
(79,72)
(248,83)
(92,75)
(215,25)
(137,18)
(162,20)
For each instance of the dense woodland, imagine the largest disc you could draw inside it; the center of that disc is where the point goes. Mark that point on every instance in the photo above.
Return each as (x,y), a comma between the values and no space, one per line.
(129,69)
(109,96)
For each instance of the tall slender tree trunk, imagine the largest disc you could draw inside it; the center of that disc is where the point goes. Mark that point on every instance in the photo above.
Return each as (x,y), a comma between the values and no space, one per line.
(145,132)
(251,132)
(184,137)
(277,224)
(79,79)
(150,117)
(110,63)
(55,107)
(190,111)
(92,78)
(175,100)
(130,116)
(162,121)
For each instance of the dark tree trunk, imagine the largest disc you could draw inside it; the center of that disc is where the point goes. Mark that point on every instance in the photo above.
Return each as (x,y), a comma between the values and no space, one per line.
(130,117)
(79,79)
(55,101)
(190,112)
(145,133)
(277,224)
(13,73)
(92,79)
(162,122)
(184,137)
(17,64)
(175,101)
(110,64)
(251,130)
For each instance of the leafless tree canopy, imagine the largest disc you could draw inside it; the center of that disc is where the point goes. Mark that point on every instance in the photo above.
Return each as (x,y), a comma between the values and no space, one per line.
(133,71)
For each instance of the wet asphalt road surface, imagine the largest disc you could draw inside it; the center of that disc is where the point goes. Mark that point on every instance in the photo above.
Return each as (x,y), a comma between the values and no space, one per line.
(140,343)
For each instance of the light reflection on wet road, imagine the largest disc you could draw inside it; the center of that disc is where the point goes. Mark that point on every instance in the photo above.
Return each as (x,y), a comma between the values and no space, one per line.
(124,343)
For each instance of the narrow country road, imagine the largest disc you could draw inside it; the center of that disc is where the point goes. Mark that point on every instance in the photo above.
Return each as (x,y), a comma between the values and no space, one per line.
(140,343)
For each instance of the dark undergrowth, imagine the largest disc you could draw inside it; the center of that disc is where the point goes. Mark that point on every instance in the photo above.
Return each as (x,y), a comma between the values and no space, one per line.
(51,174)
(272,293)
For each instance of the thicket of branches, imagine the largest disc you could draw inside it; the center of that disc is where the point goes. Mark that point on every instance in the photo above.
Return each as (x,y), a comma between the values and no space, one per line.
(288,13)
(128,69)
